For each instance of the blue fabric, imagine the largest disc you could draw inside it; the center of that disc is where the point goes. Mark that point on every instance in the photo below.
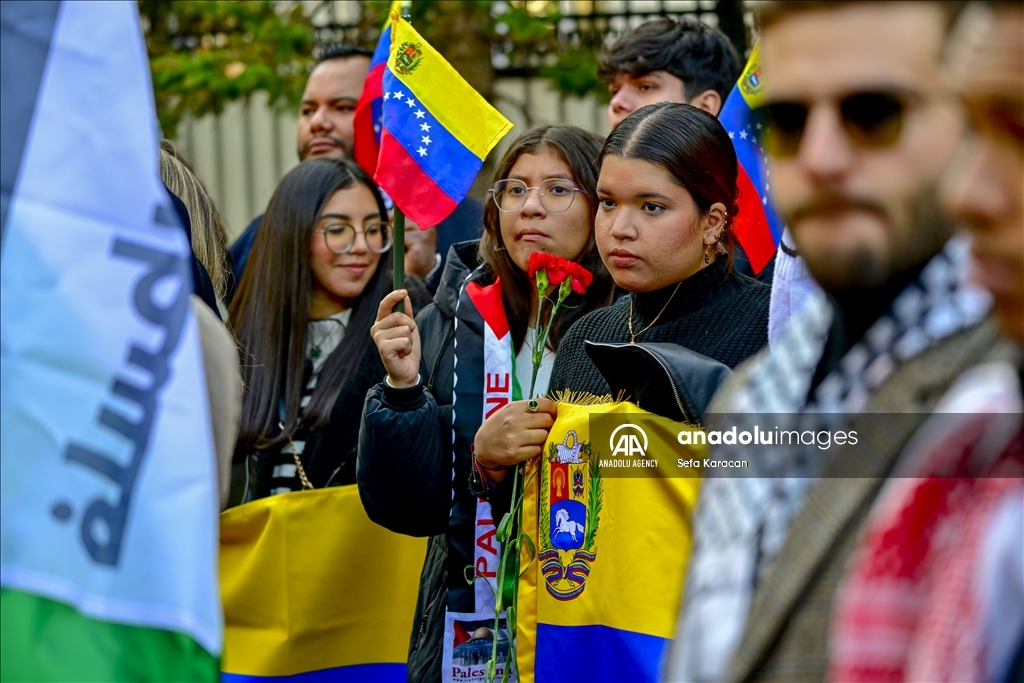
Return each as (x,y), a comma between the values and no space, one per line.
(434,149)
(362,673)
(593,654)
(383,49)
(240,254)
(27,29)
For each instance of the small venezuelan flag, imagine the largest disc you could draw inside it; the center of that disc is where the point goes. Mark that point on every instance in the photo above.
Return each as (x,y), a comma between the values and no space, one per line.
(757,227)
(368,117)
(437,130)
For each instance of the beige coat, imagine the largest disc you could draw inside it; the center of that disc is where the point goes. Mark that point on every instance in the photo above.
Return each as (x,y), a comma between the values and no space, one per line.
(223,388)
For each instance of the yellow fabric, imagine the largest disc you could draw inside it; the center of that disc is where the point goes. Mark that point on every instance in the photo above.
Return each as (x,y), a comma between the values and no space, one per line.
(750,84)
(309,582)
(440,88)
(641,543)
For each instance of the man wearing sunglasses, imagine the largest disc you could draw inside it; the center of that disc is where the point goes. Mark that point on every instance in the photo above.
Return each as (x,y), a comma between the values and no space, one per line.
(858,130)
(961,560)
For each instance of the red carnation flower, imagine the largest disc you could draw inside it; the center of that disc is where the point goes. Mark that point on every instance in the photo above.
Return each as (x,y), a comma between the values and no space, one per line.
(558,269)
(540,261)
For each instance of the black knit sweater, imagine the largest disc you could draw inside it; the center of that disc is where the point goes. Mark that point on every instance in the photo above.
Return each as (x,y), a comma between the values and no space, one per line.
(719,314)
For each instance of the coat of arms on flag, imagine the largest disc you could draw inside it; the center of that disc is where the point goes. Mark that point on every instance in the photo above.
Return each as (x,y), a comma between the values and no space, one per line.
(596,588)
(408,57)
(571,484)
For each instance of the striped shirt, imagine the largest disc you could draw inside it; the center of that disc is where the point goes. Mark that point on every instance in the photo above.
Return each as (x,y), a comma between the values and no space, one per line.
(322,337)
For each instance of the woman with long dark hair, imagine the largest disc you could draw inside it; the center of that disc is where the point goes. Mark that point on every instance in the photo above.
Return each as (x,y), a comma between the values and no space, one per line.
(302,315)
(667,198)
(451,404)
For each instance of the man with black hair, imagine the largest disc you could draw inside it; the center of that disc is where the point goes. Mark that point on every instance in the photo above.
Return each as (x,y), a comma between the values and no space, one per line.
(664,60)
(329,102)
(325,124)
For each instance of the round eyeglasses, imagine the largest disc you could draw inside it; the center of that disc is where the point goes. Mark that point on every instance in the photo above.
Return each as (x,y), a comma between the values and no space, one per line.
(556,194)
(340,238)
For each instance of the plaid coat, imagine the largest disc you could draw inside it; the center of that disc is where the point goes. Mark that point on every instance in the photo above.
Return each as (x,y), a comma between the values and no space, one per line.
(786,636)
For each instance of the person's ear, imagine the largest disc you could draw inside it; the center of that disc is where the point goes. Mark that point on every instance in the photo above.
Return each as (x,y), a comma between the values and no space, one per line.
(713,224)
(709,100)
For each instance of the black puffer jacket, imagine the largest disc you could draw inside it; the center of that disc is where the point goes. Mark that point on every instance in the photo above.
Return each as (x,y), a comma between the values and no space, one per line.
(413,469)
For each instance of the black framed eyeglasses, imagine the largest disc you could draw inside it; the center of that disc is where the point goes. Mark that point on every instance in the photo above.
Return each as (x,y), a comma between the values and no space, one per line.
(340,238)
(871,119)
(556,194)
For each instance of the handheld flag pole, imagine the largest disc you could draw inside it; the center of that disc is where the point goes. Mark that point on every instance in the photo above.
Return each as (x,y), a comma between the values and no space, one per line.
(398,241)
(398,246)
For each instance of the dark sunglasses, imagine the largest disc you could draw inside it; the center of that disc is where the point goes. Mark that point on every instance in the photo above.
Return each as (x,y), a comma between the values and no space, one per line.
(870,119)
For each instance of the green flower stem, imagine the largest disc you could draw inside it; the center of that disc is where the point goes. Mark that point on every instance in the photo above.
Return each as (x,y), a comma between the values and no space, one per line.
(511,548)
(564,290)
(503,568)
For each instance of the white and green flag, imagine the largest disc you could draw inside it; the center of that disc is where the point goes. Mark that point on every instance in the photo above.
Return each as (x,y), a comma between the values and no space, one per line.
(107,475)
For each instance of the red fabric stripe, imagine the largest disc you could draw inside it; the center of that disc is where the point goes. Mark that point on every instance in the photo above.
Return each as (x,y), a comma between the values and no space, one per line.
(751,224)
(488,302)
(366,150)
(413,191)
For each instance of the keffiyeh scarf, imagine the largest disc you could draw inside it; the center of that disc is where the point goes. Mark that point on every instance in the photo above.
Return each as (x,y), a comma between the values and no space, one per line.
(740,523)
(933,565)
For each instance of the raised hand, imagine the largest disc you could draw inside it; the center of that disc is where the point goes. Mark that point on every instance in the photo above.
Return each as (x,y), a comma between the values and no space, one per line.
(398,340)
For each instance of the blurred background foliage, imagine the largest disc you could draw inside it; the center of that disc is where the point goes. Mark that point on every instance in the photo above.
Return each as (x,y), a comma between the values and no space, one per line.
(206,54)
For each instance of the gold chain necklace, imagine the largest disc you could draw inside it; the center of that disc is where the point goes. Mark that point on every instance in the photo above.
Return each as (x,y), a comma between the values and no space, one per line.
(632,337)
(298,463)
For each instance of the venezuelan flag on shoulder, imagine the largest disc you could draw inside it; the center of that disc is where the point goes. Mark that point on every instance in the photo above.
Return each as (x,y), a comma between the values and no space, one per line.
(437,130)
(757,227)
(368,117)
(600,600)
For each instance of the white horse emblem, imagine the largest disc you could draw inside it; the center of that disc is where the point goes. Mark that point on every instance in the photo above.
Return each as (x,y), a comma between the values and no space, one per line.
(564,525)
(567,453)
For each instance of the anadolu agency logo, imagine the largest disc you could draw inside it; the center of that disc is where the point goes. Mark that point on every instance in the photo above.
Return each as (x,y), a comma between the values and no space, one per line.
(628,440)
(630,443)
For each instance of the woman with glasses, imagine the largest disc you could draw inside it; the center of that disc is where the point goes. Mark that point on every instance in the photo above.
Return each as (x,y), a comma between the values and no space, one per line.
(440,434)
(302,315)
(666,207)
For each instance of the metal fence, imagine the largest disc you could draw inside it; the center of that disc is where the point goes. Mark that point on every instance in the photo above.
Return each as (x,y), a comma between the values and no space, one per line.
(241,154)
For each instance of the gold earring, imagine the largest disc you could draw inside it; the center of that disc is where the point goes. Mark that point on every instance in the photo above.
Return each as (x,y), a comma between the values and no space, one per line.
(707,254)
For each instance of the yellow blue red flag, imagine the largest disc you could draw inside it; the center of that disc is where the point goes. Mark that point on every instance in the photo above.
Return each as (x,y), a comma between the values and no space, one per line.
(367,120)
(757,227)
(437,130)
(314,591)
(600,601)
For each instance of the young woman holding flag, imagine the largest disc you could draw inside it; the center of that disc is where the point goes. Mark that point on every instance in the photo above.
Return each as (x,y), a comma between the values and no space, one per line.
(453,400)
(302,315)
